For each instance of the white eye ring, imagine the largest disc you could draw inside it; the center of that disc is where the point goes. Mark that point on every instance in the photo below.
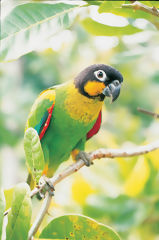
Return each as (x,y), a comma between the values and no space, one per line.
(100,75)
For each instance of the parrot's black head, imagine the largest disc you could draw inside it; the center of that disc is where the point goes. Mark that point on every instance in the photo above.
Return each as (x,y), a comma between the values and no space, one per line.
(99,81)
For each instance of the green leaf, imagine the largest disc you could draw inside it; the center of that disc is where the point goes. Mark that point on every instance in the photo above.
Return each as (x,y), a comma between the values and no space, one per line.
(79,227)
(151,3)
(94,2)
(28,25)
(49,239)
(111,7)
(34,153)
(115,7)
(20,215)
(99,29)
(2,208)
(8,193)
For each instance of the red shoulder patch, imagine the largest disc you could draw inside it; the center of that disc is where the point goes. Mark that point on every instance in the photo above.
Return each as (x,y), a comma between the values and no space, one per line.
(96,126)
(47,122)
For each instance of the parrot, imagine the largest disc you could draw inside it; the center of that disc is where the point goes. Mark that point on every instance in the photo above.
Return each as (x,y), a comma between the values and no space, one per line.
(65,116)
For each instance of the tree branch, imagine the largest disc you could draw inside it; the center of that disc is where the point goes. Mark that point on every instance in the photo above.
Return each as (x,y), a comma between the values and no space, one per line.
(98,154)
(140,6)
(40,216)
(155,115)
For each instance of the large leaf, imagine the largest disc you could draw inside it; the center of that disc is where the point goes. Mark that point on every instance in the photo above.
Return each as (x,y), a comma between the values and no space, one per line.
(99,29)
(20,215)
(151,3)
(93,2)
(28,25)
(115,7)
(75,227)
(2,208)
(8,193)
(34,153)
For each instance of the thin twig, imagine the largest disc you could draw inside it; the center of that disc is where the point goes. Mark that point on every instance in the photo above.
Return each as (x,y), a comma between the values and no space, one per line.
(151,220)
(40,216)
(98,154)
(140,6)
(155,115)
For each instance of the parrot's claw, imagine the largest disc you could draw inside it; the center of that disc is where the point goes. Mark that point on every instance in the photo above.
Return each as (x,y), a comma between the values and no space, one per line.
(47,188)
(85,157)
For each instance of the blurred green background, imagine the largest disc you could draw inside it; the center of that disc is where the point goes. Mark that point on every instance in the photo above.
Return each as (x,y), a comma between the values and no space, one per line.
(122,193)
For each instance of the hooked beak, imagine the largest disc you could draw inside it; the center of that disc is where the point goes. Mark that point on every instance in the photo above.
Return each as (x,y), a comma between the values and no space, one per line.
(112,90)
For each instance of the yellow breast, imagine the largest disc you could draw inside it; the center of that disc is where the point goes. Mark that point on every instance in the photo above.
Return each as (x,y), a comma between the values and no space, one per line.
(80,107)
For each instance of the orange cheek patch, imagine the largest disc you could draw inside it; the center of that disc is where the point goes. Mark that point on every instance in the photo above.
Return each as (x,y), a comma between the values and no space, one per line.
(94,88)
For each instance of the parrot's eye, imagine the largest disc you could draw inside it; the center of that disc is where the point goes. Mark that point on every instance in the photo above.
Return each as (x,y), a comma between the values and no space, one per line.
(101,75)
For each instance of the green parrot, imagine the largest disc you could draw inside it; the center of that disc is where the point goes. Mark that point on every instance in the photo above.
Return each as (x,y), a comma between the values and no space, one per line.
(67,115)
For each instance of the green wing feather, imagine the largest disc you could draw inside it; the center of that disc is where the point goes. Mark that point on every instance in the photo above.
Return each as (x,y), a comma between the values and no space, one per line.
(39,109)
(36,117)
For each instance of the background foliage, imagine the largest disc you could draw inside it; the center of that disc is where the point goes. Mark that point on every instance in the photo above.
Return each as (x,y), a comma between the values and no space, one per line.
(121,193)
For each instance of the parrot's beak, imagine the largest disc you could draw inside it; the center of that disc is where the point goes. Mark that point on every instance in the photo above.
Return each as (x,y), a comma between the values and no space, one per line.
(112,90)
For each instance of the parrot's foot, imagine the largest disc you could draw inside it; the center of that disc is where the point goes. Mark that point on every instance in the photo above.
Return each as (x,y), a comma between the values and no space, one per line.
(85,157)
(47,188)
